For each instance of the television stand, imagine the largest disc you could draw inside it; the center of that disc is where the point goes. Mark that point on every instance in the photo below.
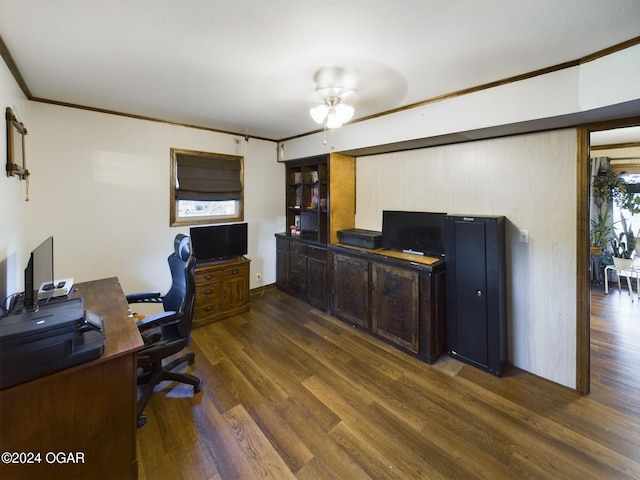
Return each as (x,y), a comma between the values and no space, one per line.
(394,296)
(222,290)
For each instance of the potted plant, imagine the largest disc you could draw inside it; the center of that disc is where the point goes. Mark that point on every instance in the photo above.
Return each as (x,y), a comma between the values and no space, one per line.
(631,203)
(623,247)
(607,185)
(601,232)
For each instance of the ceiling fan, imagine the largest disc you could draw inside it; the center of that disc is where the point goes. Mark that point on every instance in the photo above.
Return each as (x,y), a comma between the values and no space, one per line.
(334,97)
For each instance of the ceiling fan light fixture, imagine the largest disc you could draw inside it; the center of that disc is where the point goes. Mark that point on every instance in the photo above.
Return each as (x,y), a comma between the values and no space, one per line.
(333,121)
(333,112)
(319,113)
(344,112)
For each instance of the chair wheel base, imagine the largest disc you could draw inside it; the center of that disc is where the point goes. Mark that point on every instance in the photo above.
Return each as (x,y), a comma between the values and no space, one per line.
(197,388)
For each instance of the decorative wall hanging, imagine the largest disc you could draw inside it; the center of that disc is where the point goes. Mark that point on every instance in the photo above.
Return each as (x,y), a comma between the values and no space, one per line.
(16,158)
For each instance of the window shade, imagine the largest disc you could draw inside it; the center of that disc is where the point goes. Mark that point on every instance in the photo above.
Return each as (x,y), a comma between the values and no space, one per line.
(208,178)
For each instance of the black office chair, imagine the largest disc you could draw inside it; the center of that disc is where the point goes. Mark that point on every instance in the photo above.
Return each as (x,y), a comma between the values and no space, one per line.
(167,333)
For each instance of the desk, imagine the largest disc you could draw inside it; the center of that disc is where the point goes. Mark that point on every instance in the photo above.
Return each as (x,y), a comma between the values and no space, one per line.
(88,410)
(633,272)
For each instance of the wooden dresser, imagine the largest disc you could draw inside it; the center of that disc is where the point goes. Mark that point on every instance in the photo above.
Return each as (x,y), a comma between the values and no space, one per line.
(222,290)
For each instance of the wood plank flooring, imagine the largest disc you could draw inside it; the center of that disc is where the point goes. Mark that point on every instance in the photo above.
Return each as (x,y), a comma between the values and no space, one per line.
(292,393)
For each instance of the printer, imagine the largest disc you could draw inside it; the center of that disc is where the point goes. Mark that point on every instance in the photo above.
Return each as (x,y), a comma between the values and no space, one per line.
(52,337)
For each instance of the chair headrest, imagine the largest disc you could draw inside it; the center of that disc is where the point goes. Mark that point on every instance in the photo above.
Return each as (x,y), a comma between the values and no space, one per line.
(182,246)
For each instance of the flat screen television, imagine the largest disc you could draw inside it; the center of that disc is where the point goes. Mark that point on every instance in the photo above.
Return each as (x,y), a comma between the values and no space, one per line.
(217,242)
(414,232)
(39,270)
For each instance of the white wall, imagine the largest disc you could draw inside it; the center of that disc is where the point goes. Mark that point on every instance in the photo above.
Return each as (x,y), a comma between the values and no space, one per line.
(100,186)
(610,79)
(12,196)
(530,179)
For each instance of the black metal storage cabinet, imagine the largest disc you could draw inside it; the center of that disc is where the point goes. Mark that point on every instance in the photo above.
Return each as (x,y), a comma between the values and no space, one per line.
(476,290)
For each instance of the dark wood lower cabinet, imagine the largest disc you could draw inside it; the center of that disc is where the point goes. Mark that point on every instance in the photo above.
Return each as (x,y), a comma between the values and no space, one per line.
(433,334)
(395,305)
(399,298)
(317,276)
(298,269)
(396,297)
(350,289)
(282,263)
(301,269)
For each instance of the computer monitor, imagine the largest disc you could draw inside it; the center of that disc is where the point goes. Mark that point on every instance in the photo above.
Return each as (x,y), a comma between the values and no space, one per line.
(39,270)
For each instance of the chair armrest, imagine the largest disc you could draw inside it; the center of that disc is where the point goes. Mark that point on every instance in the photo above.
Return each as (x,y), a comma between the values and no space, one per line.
(159,320)
(144,297)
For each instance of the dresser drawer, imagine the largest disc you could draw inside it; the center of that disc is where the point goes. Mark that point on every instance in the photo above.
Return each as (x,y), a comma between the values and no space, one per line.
(208,290)
(231,270)
(208,274)
(206,308)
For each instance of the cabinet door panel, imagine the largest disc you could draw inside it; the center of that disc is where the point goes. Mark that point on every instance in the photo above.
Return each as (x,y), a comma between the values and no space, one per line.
(395,304)
(350,289)
(298,274)
(235,292)
(317,277)
(471,291)
(282,269)
(433,329)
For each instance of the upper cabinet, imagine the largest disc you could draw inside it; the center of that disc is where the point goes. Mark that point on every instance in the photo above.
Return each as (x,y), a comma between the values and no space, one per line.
(320,197)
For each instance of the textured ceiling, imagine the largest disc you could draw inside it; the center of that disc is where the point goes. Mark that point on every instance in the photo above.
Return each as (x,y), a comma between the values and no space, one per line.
(249,65)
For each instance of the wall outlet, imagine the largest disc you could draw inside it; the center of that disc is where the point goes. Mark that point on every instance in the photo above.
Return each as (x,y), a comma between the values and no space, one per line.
(258,277)
(524,236)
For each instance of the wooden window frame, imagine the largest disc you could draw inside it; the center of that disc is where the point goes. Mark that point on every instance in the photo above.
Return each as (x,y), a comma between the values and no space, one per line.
(175,219)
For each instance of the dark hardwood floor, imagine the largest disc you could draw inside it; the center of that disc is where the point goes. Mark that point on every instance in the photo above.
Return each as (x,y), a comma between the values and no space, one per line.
(290,392)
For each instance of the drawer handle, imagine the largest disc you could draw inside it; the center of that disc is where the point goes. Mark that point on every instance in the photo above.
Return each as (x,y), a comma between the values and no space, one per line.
(207,309)
(235,271)
(208,292)
(208,277)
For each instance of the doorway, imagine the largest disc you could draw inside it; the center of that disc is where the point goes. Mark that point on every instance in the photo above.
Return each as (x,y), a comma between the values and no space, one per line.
(613,328)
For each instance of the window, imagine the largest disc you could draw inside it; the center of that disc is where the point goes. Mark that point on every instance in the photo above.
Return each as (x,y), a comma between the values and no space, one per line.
(205,188)
(630,173)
